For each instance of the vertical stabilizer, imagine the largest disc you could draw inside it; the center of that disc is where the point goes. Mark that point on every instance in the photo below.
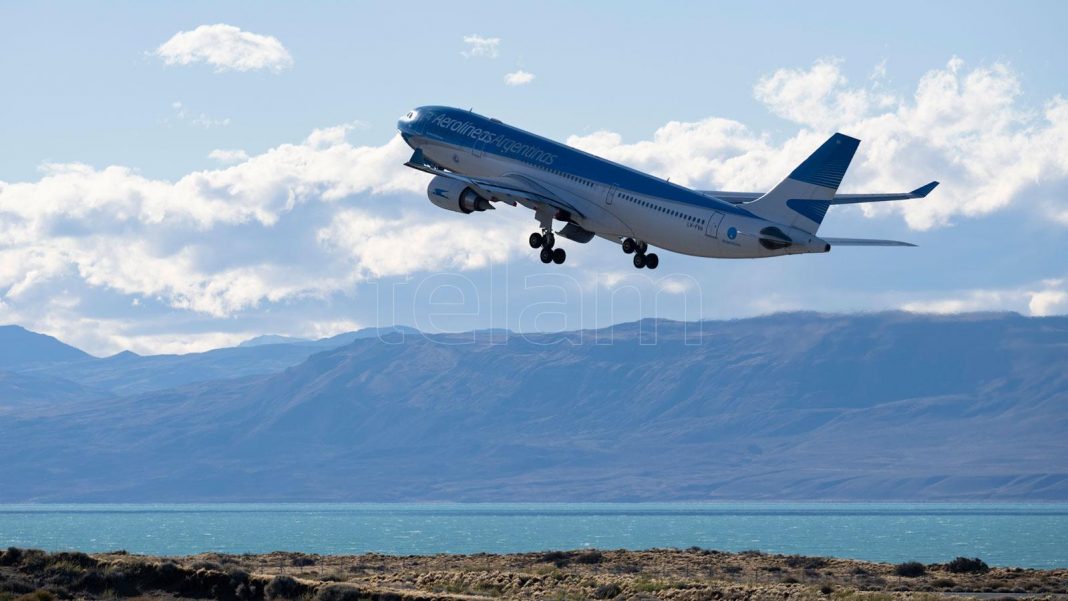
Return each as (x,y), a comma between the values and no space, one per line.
(802,199)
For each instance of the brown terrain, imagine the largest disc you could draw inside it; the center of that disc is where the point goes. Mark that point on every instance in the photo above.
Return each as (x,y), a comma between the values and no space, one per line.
(694,574)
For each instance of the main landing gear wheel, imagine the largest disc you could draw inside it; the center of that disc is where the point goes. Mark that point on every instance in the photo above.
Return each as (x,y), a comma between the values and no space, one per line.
(536,240)
(651,260)
(546,255)
(548,240)
(559,256)
(629,245)
(642,247)
(639,260)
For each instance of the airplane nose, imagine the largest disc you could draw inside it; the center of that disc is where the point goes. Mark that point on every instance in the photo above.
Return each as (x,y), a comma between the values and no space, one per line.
(407,123)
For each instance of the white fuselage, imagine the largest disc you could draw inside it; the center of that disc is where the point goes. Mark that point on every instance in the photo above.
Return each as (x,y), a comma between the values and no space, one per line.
(611,200)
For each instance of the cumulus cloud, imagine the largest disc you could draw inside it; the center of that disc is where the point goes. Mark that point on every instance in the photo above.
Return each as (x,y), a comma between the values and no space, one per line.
(518,78)
(178,241)
(966,128)
(227,48)
(478,46)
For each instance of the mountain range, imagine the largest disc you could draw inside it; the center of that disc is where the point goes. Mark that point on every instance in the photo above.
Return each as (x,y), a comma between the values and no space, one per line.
(797,406)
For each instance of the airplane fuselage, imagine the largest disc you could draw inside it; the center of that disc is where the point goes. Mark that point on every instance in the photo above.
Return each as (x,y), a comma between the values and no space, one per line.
(609,199)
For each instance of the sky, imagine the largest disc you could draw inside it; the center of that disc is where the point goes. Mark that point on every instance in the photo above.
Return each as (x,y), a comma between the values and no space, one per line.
(176,177)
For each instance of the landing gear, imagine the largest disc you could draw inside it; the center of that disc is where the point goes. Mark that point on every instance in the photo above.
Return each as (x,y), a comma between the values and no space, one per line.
(638,248)
(546,241)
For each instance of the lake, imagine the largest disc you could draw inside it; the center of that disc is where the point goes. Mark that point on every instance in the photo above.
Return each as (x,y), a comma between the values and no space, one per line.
(1002,534)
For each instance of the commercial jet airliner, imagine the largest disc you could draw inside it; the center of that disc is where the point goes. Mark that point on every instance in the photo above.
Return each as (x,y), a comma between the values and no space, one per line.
(478,162)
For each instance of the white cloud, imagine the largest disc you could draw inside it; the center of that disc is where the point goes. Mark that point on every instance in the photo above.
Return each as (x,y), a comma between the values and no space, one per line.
(114,229)
(228,157)
(227,48)
(967,129)
(1049,297)
(518,78)
(478,46)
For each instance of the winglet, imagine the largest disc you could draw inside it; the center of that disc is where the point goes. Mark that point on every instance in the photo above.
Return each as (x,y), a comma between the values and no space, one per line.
(923,191)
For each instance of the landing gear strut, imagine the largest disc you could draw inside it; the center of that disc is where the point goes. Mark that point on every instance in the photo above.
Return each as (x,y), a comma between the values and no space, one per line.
(641,259)
(546,240)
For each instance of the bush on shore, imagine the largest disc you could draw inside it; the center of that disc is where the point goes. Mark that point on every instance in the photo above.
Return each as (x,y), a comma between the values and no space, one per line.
(968,565)
(910,569)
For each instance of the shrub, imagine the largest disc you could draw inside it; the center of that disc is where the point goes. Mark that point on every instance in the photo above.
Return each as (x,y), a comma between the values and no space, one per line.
(910,569)
(11,556)
(943,583)
(965,565)
(607,591)
(284,587)
(203,564)
(559,558)
(590,557)
(339,592)
(809,563)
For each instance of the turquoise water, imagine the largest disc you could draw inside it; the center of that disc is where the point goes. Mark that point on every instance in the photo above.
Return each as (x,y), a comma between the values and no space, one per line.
(1018,535)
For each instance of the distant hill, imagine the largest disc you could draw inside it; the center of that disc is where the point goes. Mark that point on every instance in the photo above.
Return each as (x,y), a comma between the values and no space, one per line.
(128,373)
(20,347)
(273,339)
(890,406)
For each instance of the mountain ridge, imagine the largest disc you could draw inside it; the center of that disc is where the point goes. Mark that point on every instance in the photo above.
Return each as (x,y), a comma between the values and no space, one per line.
(888,406)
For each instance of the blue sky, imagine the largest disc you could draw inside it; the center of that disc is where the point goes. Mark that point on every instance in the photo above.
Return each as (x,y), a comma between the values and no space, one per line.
(120,230)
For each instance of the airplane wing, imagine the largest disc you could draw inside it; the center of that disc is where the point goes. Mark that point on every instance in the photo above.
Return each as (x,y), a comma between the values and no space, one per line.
(839,199)
(522,190)
(863,242)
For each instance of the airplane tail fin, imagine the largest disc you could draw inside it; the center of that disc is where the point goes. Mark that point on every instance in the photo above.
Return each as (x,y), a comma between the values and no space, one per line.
(802,199)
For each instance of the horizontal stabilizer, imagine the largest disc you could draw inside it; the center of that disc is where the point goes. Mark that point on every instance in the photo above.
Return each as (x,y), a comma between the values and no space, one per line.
(839,199)
(863,242)
(847,199)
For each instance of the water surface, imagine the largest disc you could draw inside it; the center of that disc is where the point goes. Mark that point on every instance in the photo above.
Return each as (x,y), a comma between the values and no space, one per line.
(1002,534)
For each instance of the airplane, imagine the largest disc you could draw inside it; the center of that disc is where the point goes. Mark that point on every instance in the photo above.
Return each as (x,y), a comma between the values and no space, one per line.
(478,162)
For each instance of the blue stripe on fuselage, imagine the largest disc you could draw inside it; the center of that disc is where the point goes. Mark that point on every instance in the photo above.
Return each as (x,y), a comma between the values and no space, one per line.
(473,131)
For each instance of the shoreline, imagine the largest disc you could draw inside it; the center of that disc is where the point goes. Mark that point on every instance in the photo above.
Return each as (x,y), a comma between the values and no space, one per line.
(683,575)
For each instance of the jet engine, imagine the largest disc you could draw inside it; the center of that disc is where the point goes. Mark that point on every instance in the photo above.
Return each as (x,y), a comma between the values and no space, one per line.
(455,195)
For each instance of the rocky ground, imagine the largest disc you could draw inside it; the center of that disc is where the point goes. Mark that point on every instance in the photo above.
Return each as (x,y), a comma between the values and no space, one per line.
(684,575)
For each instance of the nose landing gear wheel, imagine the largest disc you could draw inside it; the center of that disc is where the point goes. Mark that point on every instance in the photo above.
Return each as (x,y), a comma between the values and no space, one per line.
(651,260)
(639,261)
(559,256)
(536,240)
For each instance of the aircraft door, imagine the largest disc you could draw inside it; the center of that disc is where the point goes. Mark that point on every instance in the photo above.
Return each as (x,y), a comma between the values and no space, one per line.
(610,195)
(712,228)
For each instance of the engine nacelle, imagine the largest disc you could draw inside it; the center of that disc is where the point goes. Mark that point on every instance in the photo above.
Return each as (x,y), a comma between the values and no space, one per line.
(454,195)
